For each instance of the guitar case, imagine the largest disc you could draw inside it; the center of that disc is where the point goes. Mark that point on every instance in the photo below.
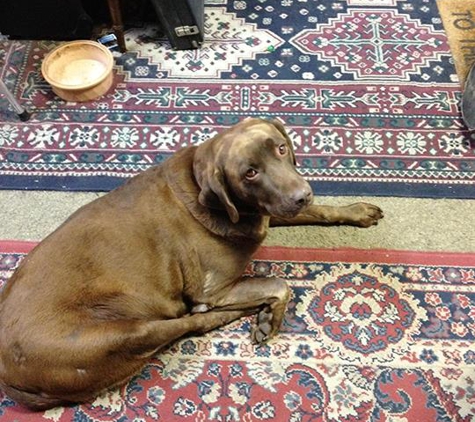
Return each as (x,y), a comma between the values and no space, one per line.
(182,21)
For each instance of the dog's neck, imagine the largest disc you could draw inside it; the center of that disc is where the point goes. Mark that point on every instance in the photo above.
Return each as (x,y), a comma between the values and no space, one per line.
(179,173)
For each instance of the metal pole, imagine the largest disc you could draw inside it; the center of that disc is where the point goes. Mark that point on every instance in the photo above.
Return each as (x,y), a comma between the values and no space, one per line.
(22,113)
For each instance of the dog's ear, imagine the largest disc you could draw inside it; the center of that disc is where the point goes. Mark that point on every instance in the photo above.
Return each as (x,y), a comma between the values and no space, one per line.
(211,180)
(280,127)
(213,186)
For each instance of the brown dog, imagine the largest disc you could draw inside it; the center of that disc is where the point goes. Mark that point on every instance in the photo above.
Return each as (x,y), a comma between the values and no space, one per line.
(158,258)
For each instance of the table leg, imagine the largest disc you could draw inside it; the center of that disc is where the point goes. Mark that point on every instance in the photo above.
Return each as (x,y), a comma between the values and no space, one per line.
(117,25)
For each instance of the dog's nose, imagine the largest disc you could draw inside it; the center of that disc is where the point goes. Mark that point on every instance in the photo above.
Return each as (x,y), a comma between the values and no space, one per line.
(302,197)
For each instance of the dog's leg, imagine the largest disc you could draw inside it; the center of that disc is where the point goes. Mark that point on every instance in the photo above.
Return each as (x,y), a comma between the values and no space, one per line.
(268,295)
(360,214)
(137,338)
(77,369)
(149,336)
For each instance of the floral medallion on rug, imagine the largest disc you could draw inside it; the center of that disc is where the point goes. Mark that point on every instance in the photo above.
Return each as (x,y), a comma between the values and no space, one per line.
(366,88)
(368,336)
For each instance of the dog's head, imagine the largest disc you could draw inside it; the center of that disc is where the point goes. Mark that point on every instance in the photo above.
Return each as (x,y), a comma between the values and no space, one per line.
(251,166)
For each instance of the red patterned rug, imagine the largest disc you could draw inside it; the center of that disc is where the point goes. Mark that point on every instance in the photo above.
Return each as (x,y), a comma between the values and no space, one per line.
(369,336)
(367,90)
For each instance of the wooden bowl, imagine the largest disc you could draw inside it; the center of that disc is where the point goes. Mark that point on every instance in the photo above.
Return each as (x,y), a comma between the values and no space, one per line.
(79,70)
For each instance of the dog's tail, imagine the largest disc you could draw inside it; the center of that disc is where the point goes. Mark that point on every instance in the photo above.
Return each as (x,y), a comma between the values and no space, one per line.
(32,400)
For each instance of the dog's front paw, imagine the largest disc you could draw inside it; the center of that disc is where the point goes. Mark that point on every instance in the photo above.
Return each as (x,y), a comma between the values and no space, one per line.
(362,214)
(262,330)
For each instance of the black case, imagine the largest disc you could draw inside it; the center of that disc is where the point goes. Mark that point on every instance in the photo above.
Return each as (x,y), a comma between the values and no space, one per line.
(182,21)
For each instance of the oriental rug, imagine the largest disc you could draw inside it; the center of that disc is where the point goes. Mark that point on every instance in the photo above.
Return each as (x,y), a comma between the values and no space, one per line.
(369,336)
(366,88)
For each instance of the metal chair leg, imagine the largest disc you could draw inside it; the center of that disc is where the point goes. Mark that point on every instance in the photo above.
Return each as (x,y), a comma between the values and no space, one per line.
(22,113)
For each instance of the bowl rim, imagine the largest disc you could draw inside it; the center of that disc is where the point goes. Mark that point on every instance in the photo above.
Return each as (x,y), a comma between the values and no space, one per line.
(55,83)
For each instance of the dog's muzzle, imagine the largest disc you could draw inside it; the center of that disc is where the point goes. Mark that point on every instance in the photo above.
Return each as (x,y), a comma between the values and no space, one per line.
(290,206)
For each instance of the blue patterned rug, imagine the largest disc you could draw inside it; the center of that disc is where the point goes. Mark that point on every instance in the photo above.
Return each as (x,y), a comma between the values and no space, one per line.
(366,88)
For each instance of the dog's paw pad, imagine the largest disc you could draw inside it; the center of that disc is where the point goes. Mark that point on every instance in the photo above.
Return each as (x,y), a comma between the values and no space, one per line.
(262,331)
(264,316)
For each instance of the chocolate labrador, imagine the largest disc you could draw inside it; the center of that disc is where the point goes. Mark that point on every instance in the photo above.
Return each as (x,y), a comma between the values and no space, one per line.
(156,259)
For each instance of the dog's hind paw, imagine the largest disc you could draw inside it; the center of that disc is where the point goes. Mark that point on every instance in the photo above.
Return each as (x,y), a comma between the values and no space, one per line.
(262,330)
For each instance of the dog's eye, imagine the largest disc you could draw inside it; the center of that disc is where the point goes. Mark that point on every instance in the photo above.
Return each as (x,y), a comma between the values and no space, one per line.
(282,149)
(251,174)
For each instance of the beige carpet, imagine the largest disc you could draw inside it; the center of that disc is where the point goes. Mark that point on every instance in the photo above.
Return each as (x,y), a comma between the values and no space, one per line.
(411,224)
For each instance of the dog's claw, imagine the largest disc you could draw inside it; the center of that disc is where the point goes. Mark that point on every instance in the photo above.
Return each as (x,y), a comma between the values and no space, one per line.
(259,337)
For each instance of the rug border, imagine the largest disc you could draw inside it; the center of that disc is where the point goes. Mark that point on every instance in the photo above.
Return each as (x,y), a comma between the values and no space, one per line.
(300,254)
(377,256)
(324,188)
(17,246)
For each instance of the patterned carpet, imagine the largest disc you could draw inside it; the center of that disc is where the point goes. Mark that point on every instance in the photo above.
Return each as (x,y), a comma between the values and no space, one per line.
(369,336)
(367,89)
